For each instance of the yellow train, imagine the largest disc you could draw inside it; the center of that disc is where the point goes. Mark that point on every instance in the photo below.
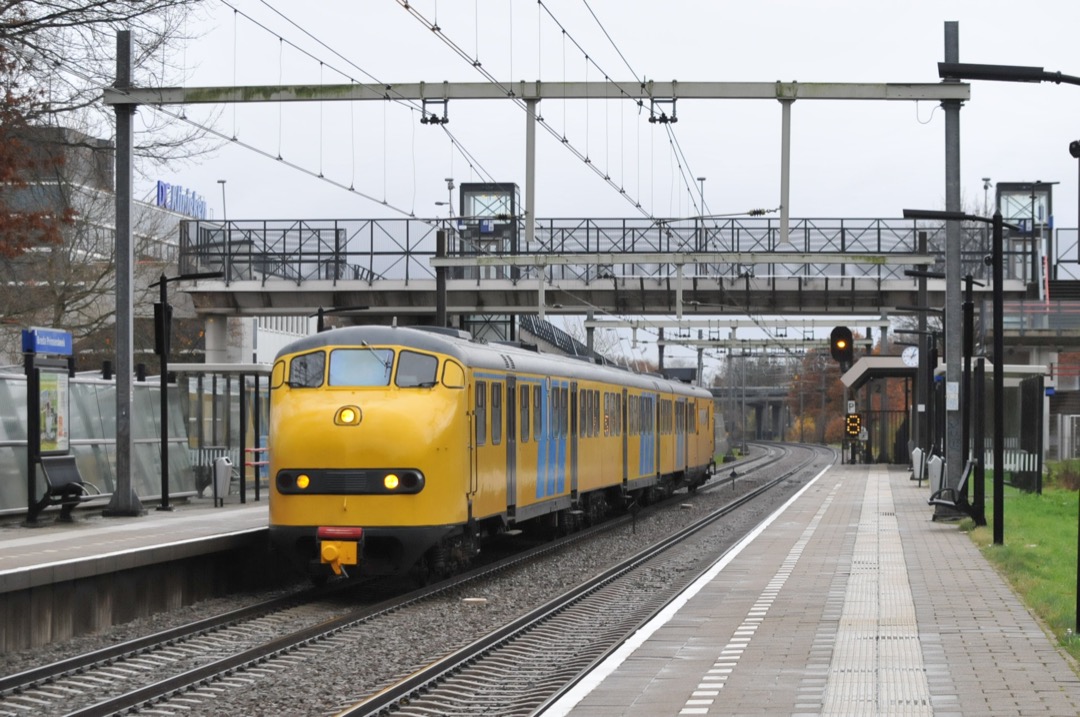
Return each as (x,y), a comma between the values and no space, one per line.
(399,449)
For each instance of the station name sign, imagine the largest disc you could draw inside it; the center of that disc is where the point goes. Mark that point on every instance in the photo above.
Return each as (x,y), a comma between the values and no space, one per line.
(46,341)
(181,200)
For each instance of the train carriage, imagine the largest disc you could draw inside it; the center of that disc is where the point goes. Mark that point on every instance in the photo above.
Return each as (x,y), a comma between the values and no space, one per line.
(397,449)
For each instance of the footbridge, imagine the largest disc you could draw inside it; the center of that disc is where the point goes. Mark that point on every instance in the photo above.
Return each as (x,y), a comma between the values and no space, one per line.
(376,268)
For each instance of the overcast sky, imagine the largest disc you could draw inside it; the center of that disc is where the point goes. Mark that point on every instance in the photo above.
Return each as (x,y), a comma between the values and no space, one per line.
(849,159)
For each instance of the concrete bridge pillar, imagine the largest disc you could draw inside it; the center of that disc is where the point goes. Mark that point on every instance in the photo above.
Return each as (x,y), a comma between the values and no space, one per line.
(216,336)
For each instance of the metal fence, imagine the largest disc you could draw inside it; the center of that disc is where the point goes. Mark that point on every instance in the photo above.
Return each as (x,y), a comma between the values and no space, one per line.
(401,249)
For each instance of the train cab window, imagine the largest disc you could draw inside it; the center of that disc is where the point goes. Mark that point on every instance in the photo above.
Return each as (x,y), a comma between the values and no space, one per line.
(481,413)
(362,367)
(416,370)
(496,413)
(277,378)
(538,413)
(306,370)
(523,406)
(453,376)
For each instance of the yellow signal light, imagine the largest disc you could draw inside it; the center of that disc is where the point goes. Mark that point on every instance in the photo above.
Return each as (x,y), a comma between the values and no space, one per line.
(302,481)
(391,481)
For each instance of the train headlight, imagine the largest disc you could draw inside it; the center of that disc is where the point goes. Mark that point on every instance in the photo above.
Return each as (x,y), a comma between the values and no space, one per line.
(302,481)
(348,416)
(391,481)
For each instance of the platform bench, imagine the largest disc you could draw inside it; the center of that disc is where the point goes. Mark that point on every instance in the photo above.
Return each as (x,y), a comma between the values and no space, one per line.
(64,486)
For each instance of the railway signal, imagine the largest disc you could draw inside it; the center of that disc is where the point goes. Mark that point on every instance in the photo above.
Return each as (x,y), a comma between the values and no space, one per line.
(842,346)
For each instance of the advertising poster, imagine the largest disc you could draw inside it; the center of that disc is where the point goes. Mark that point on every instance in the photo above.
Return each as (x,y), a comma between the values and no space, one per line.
(54,411)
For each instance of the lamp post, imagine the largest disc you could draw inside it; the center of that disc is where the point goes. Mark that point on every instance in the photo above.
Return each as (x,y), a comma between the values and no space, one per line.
(986,195)
(450,194)
(224,211)
(1001,73)
(162,330)
(701,185)
(999,351)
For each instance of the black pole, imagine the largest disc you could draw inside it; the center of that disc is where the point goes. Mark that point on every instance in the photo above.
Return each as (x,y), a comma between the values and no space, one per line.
(242,452)
(256,408)
(33,435)
(440,279)
(965,387)
(163,297)
(999,385)
(979,503)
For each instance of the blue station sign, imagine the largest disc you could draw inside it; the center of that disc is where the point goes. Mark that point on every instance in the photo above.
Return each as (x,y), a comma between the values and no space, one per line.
(46,341)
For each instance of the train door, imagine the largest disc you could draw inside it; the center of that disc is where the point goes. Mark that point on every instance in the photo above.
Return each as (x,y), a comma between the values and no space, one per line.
(658,415)
(625,437)
(573,440)
(511,444)
(681,442)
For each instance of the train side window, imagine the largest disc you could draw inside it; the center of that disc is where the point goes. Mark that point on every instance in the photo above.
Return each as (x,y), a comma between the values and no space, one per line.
(306,370)
(496,413)
(453,376)
(277,377)
(415,370)
(618,414)
(523,403)
(596,413)
(582,412)
(481,413)
(538,413)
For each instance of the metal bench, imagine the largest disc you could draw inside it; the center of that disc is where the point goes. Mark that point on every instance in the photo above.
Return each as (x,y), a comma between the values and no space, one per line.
(955,498)
(64,486)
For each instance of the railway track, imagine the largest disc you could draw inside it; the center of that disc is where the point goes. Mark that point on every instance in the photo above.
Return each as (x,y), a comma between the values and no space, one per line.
(186,669)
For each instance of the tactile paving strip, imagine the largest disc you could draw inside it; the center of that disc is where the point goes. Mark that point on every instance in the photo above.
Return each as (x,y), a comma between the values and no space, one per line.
(877,665)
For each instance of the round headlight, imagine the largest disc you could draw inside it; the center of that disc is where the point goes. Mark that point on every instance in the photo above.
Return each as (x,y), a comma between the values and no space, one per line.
(348,416)
(302,481)
(390,481)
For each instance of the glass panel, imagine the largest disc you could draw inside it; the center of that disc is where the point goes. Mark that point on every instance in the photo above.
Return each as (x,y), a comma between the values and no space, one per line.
(181,473)
(414,370)
(145,412)
(13,477)
(361,367)
(106,406)
(481,413)
(306,370)
(13,410)
(496,413)
(523,405)
(93,462)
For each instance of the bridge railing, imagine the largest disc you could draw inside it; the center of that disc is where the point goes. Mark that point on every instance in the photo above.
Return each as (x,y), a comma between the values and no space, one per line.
(401,249)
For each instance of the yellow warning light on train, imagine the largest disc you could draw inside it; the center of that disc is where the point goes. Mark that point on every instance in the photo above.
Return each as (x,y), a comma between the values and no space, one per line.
(391,481)
(347,416)
(302,481)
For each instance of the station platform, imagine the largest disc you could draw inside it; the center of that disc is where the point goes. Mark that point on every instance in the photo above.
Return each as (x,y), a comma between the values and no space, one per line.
(849,600)
(61,580)
(93,544)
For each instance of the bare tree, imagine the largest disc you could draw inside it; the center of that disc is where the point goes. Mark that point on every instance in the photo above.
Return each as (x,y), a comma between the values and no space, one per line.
(63,52)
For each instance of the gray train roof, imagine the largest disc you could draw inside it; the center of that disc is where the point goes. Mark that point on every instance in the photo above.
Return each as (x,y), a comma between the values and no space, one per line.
(478,355)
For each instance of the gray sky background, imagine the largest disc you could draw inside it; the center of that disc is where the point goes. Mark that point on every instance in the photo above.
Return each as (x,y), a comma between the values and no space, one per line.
(849,159)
